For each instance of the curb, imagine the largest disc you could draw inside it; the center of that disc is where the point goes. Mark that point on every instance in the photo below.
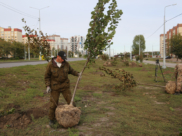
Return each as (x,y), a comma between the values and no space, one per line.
(23,61)
(30,61)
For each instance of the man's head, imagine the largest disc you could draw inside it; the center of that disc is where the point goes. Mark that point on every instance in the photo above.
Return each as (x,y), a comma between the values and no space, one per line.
(61,56)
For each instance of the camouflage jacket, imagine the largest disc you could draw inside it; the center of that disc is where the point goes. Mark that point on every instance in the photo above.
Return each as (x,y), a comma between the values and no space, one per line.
(57,78)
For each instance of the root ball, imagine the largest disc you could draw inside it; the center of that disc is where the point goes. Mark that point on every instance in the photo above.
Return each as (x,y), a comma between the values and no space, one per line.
(170,87)
(67,115)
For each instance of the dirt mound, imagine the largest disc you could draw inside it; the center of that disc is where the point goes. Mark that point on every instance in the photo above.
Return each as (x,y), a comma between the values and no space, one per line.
(107,63)
(67,115)
(11,105)
(170,87)
(140,65)
(133,63)
(21,119)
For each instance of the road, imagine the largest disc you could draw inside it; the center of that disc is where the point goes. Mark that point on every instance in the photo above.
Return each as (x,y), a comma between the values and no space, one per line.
(171,65)
(16,64)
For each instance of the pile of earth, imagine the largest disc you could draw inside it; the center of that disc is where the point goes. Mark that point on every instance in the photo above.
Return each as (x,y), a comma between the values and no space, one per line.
(21,119)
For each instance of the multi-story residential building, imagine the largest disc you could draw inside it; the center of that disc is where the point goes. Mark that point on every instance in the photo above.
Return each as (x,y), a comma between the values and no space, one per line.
(54,41)
(25,39)
(174,31)
(77,44)
(64,43)
(9,34)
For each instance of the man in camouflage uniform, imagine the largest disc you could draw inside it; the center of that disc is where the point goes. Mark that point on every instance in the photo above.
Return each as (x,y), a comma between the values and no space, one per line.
(56,80)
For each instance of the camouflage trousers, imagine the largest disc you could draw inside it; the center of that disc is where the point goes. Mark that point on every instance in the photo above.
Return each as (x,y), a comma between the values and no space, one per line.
(55,95)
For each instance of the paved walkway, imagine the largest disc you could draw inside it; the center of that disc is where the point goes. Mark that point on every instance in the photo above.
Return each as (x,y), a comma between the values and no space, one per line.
(171,65)
(16,64)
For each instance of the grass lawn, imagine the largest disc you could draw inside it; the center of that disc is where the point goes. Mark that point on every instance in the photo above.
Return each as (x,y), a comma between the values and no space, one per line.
(140,111)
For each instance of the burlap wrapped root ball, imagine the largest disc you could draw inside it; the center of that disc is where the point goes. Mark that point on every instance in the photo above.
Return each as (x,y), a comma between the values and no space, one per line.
(170,87)
(178,72)
(67,115)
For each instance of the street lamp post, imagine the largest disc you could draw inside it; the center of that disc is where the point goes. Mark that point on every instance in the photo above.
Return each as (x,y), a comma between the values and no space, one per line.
(39,25)
(164,52)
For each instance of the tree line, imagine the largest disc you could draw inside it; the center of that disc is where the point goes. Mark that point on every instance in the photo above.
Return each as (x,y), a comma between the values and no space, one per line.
(13,48)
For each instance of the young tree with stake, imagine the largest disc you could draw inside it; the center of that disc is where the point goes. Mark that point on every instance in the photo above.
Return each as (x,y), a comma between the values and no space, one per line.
(97,38)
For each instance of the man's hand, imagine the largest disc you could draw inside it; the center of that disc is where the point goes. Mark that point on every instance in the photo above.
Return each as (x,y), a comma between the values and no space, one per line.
(48,90)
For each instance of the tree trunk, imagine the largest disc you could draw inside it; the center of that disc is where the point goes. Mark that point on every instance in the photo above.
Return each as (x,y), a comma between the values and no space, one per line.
(71,103)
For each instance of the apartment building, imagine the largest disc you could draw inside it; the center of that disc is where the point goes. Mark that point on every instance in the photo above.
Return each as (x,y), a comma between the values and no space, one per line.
(54,41)
(77,44)
(9,34)
(173,31)
(64,44)
(25,39)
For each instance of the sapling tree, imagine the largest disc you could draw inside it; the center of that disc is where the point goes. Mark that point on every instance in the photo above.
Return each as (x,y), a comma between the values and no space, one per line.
(102,30)
(37,43)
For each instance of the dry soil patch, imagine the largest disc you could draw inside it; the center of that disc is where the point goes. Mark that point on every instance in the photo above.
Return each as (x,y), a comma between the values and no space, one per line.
(21,119)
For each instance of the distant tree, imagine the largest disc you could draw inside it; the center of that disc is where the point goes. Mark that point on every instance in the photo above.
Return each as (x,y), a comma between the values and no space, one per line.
(70,54)
(175,44)
(17,49)
(5,48)
(138,40)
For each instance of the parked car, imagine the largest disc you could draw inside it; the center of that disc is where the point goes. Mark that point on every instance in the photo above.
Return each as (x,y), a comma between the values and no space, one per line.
(168,57)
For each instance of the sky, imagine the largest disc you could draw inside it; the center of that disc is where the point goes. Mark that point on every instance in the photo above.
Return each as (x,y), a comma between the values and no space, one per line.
(72,17)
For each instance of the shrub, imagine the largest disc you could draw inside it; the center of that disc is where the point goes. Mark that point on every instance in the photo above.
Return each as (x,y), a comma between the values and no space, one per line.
(85,56)
(137,58)
(114,62)
(126,63)
(105,57)
(141,58)
(122,57)
(80,55)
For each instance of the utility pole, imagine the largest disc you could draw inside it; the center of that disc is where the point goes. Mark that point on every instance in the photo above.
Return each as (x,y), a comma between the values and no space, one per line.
(40,27)
(164,46)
